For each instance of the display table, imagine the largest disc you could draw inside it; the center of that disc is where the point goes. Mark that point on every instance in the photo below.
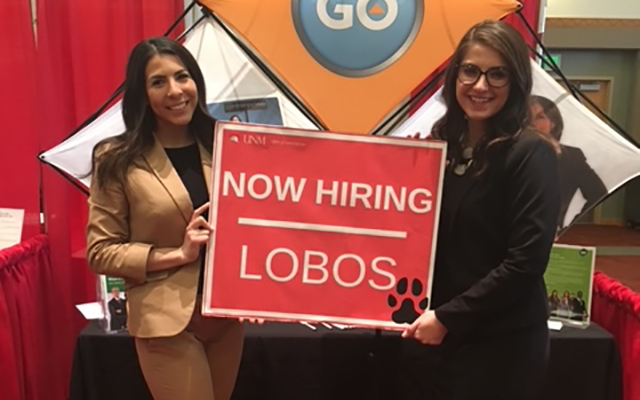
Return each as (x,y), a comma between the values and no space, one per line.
(291,361)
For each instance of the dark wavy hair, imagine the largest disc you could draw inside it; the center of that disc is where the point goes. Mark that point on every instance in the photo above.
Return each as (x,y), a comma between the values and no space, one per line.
(552,112)
(502,128)
(113,157)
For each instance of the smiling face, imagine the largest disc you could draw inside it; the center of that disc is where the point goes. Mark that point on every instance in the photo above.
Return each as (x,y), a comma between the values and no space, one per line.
(480,100)
(171,91)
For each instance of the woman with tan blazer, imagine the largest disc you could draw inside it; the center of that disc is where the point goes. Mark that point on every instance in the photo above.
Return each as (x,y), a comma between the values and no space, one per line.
(150,188)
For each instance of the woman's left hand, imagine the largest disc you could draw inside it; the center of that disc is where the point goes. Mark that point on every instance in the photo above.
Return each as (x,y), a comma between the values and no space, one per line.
(426,329)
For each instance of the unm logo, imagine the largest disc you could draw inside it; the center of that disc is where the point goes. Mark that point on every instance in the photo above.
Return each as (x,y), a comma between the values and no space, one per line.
(357,38)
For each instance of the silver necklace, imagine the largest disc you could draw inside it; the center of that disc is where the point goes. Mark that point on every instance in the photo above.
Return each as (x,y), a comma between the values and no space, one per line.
(465,163)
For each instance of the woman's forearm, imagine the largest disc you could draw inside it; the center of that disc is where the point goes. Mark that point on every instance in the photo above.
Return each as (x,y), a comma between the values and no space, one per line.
(165,258)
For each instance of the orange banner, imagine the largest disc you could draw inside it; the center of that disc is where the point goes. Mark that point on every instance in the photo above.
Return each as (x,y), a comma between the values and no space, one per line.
(353,61)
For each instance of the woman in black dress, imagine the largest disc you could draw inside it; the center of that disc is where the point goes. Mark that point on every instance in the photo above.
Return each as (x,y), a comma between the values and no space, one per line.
(487,326)
(575,172)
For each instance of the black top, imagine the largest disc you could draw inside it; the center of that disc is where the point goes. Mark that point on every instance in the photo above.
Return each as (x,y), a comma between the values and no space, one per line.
(575,173)
(186,162)
(495,236)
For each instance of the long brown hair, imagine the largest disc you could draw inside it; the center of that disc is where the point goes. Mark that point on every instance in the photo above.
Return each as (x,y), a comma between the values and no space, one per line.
(502,128)
(552,112)
(113,157)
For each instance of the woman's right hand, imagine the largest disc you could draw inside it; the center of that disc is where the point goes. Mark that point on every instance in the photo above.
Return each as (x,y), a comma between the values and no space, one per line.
(197,234)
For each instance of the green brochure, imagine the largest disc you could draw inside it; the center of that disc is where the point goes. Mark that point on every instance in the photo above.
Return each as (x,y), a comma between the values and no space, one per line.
(568,278)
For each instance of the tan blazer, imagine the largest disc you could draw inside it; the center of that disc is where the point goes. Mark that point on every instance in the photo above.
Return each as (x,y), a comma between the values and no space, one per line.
(126,220)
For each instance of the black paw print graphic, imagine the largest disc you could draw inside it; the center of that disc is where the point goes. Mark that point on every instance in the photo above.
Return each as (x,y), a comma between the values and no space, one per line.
(407,311)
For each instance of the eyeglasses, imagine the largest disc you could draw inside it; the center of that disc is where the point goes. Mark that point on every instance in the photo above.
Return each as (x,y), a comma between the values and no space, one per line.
(497,77)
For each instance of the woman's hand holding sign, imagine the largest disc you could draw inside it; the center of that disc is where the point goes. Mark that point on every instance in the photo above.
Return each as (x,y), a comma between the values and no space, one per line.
(197,234)
(426,329)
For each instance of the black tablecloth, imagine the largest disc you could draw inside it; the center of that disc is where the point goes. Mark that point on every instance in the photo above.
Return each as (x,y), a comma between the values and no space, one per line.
(291,361)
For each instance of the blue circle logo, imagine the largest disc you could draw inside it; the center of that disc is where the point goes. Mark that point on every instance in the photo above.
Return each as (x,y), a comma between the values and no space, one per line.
(357,38)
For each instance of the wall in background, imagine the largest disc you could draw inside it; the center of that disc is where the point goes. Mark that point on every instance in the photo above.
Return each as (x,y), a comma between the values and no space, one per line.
(624,9)
(622,67)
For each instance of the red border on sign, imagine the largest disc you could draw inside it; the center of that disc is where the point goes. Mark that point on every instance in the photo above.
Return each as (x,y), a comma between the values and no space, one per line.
(219,143)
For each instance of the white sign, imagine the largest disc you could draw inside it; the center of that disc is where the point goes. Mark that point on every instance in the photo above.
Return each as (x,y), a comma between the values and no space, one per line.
(11,222)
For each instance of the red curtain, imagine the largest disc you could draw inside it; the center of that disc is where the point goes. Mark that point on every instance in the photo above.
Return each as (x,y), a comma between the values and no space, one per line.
(617,309)
(29,315)
(531,12)
(82,51)
(19,167)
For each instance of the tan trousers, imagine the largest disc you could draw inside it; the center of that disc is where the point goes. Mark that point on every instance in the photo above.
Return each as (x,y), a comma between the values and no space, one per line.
(200,363)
